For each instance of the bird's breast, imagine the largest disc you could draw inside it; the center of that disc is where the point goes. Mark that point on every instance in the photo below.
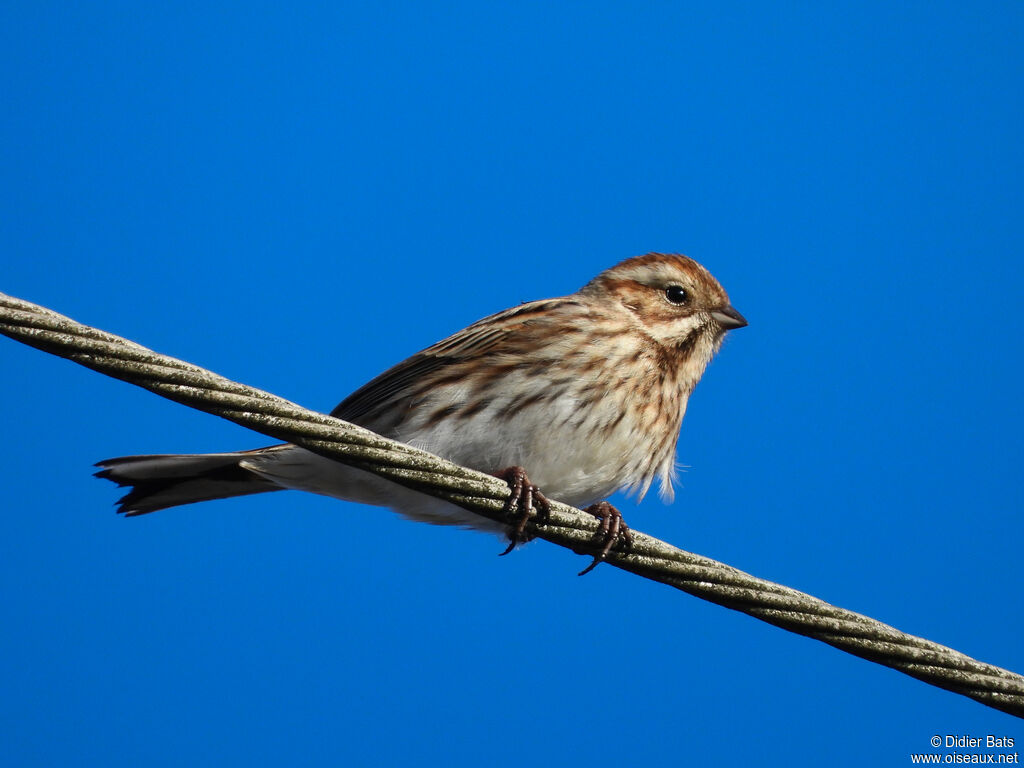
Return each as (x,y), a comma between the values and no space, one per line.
(580,433)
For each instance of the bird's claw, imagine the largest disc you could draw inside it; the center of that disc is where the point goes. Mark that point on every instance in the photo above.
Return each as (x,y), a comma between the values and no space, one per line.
(612,528)
(525,502)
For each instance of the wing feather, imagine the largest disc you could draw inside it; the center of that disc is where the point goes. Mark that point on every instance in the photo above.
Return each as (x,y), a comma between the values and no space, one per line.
(484,338)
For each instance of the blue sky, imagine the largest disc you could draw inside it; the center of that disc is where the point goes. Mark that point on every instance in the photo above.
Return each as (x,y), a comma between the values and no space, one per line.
(300,198)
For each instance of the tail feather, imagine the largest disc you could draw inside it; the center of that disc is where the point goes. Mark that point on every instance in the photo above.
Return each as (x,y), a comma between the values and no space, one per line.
(169,480)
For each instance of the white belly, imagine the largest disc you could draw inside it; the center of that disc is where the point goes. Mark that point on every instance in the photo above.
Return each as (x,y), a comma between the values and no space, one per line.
(563,448)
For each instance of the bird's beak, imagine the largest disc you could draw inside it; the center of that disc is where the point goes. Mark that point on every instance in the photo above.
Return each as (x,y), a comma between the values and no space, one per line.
(728,318)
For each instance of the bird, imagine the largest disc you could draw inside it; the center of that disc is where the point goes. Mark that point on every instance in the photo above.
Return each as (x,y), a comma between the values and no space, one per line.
(574,397)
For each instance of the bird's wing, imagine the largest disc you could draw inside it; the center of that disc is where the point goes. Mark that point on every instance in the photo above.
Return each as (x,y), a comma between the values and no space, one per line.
(481,341)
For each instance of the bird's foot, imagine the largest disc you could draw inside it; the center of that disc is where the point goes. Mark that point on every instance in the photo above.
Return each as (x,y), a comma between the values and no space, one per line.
(525,502)
(613,528)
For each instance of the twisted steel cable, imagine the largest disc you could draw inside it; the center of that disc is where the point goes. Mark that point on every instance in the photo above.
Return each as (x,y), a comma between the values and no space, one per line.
(486,495)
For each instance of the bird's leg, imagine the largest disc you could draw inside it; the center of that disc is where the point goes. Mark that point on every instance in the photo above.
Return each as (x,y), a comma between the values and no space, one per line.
(524,502)
(612,528)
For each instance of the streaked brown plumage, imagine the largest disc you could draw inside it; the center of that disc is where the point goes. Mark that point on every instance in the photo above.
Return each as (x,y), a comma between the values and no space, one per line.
(586,392)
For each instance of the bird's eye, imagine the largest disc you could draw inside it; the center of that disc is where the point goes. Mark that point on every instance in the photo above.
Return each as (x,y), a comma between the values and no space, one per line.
(676,294)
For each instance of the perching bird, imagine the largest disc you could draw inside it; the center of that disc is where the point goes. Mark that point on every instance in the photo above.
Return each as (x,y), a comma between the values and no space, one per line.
(586,393)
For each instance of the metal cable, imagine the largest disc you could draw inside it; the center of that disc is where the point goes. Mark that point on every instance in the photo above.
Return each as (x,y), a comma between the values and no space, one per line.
(485,495)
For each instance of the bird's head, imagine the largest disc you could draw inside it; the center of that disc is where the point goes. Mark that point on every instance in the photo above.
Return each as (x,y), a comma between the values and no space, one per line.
(676,301)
